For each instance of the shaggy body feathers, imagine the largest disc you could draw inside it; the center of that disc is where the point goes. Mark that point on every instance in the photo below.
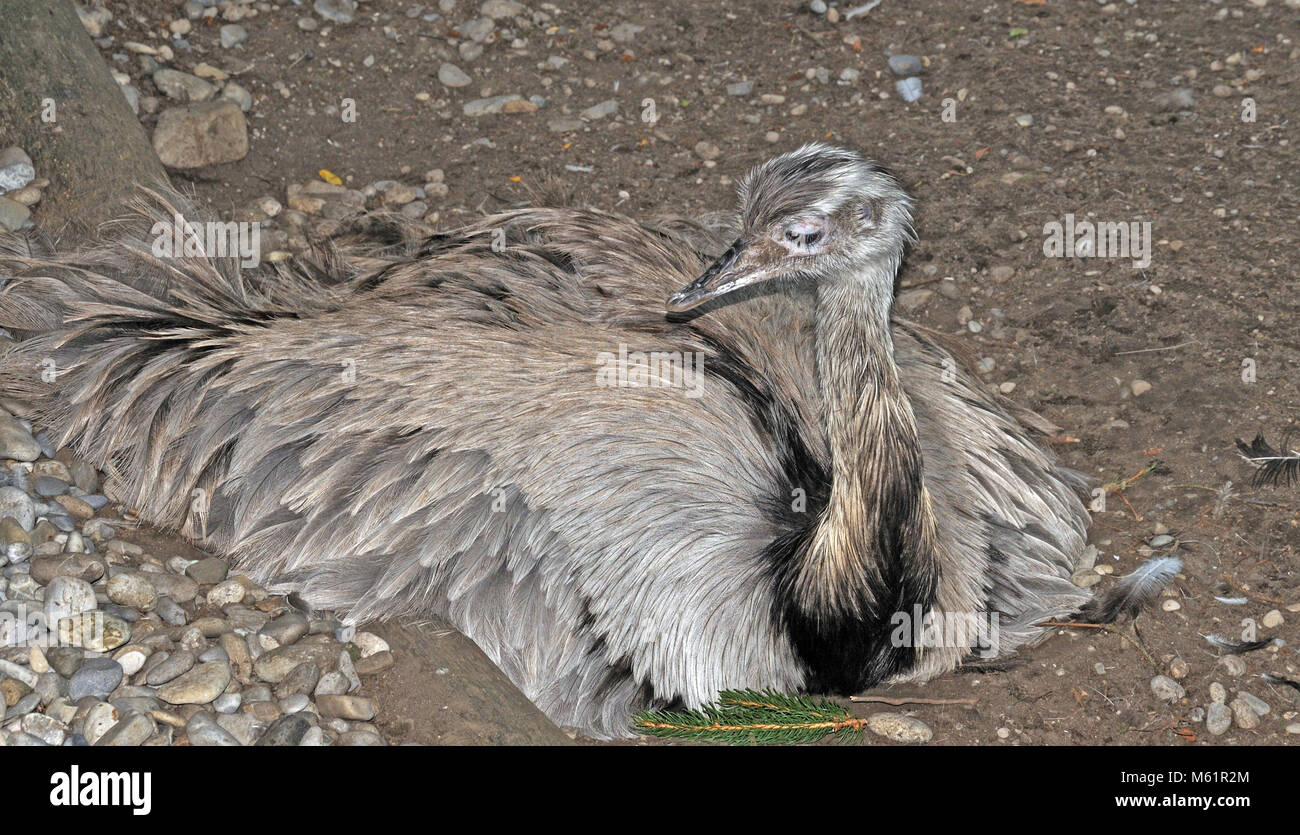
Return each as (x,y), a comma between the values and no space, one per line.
(421,431)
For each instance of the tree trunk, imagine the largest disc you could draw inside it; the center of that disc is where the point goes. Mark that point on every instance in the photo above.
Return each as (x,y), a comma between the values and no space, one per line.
(442,690)
(94,152)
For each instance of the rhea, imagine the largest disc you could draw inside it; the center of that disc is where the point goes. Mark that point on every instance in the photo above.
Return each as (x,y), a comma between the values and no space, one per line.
(431,429)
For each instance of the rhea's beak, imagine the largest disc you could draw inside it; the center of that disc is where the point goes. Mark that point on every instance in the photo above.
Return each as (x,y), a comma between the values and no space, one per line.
(738,267)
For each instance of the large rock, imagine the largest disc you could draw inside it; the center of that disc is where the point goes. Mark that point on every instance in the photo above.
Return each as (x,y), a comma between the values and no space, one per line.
(201,134)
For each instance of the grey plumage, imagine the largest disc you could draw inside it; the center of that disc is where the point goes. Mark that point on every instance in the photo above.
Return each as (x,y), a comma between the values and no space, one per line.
(419,427)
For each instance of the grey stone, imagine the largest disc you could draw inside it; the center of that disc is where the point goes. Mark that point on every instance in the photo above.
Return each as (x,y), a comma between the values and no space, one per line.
(1254,702)
(16,169)
(478,30)
(451,75)
(239,95)
(18,505)
(899,727)
(1166,689)
(64,660)
(295,703)
(241,726)
(47,729)
(13,215)
(599,111)
(905,65)
(208,571)
(182,86)
(47,487)
(132,590)
(302,679)
(332,683)
(68,596)
(488,106)
(625,32)
(16,442)
(228,702)
(339,11)
(285,629)
(173,666)
(355,738)
(132,730)
(274,666)
(564,125)
(178,587)
(356,708)
(171,612)
(1243,714)
(15,543)
(199,686)
(202,729)
(96,677)
(497,9)
(287,730)
(232,35)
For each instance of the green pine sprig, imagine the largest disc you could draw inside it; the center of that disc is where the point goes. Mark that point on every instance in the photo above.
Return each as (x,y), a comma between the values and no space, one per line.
(752,717)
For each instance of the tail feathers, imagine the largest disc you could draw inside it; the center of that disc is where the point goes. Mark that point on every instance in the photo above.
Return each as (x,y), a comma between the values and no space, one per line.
(149,269)
(1133,592)
(122,343)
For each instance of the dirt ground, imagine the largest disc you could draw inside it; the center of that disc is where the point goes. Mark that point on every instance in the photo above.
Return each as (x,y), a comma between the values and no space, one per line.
(1108,140)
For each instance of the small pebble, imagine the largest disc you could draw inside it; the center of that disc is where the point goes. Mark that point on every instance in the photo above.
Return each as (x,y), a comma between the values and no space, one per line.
(288,730)
(198,686)
(1233,665)
(133,729)
(225,593)
(905,65)
(132,590)
(899,727)
(1166,689)
(1255,702)
(349,707)
(173,666)
(1243,714)
(202,729)
(1218,719)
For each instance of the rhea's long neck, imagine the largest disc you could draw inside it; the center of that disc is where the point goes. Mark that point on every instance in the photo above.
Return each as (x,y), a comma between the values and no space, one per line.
(873,548)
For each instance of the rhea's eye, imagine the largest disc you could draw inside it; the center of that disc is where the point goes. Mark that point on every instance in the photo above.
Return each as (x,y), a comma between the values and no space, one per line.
(864,212)
(803,236)
(804,239)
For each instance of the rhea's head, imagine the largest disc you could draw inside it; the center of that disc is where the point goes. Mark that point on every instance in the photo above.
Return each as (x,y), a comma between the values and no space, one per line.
(820,212)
